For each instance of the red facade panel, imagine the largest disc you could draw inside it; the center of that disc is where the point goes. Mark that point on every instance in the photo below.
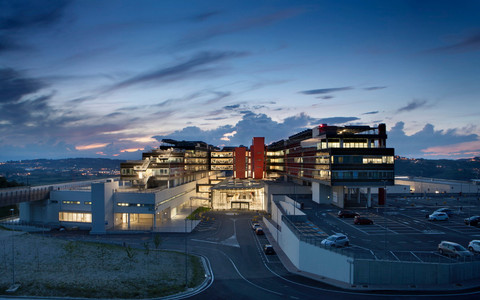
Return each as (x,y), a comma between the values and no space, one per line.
(240,162)
(258,157)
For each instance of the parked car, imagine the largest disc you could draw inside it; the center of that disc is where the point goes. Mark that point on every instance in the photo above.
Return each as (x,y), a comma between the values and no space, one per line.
(347,214)
(472,221)
(362,221)
(446,210)
(453,249)
(474,246)
(438,216)
(259,231)
(255,225)
(336,240)
(268,249)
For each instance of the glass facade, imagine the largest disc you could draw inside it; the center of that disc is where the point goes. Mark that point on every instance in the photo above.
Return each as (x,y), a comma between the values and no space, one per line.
(75,217)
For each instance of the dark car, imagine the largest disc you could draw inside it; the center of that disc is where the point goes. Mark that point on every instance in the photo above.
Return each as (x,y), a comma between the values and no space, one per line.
(362,221)
(347,214)
(268,249)
(446,210)
(259,231)
(472,221)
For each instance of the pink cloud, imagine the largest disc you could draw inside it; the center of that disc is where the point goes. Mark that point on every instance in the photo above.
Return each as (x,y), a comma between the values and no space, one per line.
(467,149)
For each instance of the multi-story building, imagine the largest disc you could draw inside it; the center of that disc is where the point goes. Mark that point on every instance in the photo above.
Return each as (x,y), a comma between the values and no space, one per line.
(333,164)
(335,161)
(173,163)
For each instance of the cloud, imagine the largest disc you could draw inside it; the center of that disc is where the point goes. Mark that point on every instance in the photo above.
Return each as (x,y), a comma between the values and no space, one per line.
(412,105)
(465,44)
(249,126)
(326,91)
(231,107)
(336,120)
(236,26)
(371,113)
(21,14)
(374,88)
(8,44)
(217,96)
(428,138)
(14,85)
(466,149)
(216,118)
(325,97)
(204,16)
(178,71)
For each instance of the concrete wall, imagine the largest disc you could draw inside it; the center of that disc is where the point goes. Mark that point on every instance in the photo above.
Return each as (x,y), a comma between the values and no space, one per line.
(338,194)
(316,259)
(139,198)
(371,272)
(102,206)
(321,193)
(438,185)
(174,197)
(290,206)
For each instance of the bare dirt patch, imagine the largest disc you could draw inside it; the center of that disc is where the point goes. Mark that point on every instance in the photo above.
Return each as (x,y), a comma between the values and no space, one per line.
(46,266)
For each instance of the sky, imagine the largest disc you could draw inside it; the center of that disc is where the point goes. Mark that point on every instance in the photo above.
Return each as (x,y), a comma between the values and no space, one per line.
(113,78)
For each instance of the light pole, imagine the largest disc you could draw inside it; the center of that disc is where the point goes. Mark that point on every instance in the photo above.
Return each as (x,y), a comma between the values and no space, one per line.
(13,252)
(186,259)
(294,202)
(384,214)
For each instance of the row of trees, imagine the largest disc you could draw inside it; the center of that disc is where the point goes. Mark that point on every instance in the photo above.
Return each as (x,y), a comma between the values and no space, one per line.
(4,183)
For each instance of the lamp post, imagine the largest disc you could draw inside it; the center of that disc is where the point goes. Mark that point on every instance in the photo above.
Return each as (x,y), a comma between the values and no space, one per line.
(186,259)
(294,201)
(13,252)
(384,214)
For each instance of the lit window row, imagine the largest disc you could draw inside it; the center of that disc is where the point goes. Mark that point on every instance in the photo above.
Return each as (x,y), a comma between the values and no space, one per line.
(70,202)
(358,159)
(75,217)
(134,204)
(375,175)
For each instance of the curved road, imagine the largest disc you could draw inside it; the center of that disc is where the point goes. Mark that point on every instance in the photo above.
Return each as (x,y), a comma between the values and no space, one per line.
(242,271)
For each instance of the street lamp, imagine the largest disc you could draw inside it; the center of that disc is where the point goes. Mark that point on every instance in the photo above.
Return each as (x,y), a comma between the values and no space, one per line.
(384,214)
(186,259)
(13,251)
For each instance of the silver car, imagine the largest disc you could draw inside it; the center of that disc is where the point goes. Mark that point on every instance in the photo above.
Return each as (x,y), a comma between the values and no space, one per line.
(336,240)
(453,249)
(474,246)
(438,216)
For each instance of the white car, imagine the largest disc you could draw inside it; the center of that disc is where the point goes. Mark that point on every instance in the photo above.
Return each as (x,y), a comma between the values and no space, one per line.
(336,240)
(474,246)
(438,216)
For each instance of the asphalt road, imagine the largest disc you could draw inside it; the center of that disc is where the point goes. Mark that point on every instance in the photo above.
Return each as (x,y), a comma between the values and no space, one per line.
(242,271)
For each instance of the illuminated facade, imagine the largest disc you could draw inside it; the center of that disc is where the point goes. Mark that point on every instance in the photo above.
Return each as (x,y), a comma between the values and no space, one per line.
(335,164)
(336,161)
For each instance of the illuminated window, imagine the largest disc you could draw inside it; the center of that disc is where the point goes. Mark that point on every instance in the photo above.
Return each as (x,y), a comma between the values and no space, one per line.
(70,202)
(75,217)
(87,202)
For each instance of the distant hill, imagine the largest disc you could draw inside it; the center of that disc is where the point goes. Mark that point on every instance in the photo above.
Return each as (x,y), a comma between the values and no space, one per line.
(48,171)
(460,169)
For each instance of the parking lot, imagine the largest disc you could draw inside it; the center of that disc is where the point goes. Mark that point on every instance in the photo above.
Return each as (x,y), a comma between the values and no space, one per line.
(401,230)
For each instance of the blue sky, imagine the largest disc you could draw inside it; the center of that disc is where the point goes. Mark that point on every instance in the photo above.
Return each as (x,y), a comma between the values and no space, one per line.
(111,78)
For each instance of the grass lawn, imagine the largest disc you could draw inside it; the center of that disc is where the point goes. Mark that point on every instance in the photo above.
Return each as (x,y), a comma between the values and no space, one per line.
(46,266)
